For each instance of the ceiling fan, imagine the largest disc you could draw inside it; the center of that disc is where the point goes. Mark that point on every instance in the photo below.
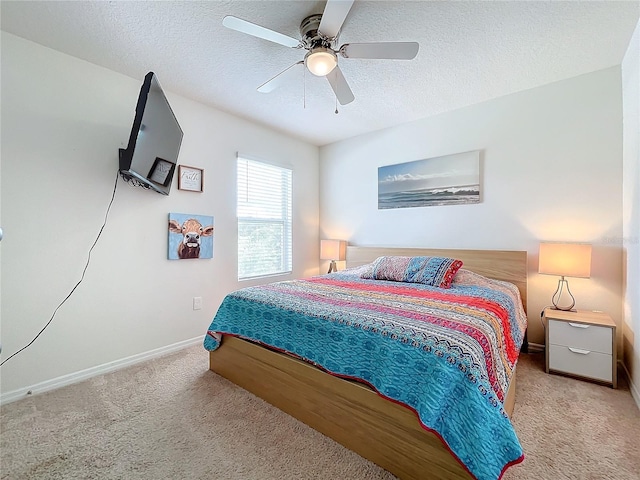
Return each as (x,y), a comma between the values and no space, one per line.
(319,34)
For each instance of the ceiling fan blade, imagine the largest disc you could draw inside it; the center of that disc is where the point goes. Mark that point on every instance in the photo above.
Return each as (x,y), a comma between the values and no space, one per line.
(340,86)
(335,12)
(387,50)
(235,23)
(279,79)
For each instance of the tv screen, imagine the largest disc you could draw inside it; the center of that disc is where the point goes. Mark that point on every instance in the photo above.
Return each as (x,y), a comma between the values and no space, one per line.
(151,156)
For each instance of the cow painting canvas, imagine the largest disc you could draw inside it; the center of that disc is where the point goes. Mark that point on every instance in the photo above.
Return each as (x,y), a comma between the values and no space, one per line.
(190,236)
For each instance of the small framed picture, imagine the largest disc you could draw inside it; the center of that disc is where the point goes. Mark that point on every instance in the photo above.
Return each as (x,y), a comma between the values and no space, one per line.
(190,178)
(161,172)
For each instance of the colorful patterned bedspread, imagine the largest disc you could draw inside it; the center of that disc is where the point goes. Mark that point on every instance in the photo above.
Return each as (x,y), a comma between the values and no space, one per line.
(448,354)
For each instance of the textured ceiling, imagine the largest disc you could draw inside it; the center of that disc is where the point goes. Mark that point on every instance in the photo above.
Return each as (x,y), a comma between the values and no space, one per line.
(469,52)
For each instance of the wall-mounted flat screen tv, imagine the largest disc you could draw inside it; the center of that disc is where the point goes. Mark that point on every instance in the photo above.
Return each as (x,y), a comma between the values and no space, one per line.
(152,154)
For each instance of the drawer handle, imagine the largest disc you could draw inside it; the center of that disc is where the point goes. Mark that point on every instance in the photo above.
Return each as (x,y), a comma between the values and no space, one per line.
(578,325)
(579,350)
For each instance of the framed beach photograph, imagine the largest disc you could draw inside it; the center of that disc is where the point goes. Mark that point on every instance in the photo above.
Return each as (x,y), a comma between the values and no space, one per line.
(190,178)
(448,180)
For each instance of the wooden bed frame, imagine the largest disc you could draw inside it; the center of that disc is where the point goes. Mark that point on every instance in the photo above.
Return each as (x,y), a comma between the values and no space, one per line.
(355,416)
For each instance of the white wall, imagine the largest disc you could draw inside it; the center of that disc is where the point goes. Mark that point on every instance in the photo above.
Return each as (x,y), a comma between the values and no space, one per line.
(631,208)
(551,170)
(63,120)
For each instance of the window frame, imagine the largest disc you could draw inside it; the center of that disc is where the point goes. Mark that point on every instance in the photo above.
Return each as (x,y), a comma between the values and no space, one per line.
(286,204)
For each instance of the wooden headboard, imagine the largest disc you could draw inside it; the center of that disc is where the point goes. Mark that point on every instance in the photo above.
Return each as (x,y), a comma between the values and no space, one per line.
(507,265)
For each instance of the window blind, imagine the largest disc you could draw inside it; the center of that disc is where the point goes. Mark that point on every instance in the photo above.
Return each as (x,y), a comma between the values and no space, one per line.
(264,219)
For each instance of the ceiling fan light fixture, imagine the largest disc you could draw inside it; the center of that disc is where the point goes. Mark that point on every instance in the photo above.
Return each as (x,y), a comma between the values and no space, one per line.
(320,61)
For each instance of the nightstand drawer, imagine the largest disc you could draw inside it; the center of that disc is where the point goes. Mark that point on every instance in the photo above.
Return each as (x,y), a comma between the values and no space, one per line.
(581,362)
(593,338)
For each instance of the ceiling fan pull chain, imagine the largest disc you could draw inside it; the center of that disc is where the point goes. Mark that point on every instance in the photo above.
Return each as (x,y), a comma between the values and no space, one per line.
(304,88)
(336,112)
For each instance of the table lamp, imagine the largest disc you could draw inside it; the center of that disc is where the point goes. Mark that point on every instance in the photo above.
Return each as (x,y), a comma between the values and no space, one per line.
(333,250)
(565,260)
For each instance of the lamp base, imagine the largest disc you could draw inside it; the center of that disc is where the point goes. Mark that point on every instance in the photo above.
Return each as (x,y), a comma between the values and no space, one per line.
(557,297)
(563,309)
(332,267)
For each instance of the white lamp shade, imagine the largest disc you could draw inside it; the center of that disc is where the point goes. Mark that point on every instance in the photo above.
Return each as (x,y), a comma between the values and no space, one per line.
(565,259)
(321,61)
(333,249)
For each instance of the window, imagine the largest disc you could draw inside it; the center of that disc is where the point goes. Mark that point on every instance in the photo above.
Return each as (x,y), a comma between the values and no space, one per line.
(264,219)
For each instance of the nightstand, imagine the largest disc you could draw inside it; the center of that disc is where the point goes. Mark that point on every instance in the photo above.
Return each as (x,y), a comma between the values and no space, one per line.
(581,344)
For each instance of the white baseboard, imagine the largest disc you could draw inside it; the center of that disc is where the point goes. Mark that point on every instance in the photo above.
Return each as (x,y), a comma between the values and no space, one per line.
(95,371)
(536,347)
(635,392)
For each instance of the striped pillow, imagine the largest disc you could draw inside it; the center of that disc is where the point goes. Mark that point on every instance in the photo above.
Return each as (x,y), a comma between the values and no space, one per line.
(434,271)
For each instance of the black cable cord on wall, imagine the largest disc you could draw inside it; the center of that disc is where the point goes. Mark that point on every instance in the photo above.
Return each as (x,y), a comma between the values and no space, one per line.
(77,284)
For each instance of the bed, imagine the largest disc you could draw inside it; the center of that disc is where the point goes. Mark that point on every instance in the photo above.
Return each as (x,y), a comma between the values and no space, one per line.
(370,416)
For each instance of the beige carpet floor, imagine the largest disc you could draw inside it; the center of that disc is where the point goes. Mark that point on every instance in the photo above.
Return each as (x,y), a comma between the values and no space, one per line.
(171,418)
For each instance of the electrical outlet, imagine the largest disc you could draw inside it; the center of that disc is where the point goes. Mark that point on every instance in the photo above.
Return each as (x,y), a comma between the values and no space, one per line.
(197,303)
